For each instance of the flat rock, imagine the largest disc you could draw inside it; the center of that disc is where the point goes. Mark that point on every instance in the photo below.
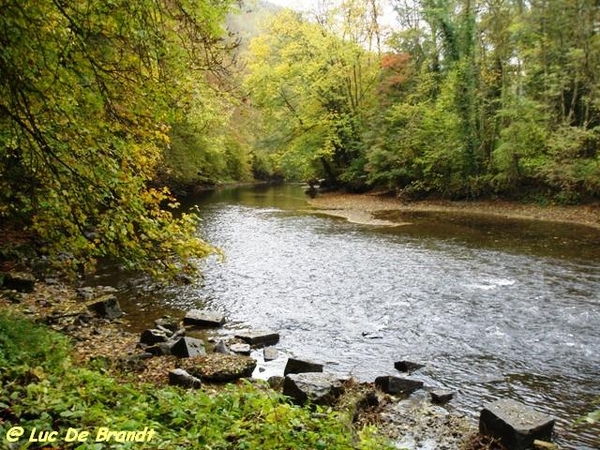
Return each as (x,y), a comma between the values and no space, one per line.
(180,377)
(153,336)
(259,338)
(313,387)
(270,353)
(407,366)
(240,349)
(516,425)
(441,396)
(294,365)
(106,306)
(398,386)
(19,281)
(205,319)
(187,347)
(220,368)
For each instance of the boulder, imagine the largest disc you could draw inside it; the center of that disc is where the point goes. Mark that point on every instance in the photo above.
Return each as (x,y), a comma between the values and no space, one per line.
(270,353)
(179,377)
(187,347)
(204,319)
(407,366)
(397,386)
(19,281)
(300,366)
(441,396)
(516,425)
(313,387)
(153,336)
(106,306)
(240,349)
(219,368)
(259,338)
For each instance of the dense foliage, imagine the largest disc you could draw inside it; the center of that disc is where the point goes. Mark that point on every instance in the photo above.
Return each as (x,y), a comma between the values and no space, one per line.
(104,103)
(97,99)
(40,388)
(469,97)
(313,80)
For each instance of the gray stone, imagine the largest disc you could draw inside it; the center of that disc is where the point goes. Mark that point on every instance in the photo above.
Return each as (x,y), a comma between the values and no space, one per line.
(259,338)
(205,319)
(294,365)
(221,347)
(180,377)
(188,347)
(19,281)
(407,366)
(313,387)
(240,349)
(153,336)
(107,306)
(219,368)
(270,353)
(441,396)
(516,425)
(397,386)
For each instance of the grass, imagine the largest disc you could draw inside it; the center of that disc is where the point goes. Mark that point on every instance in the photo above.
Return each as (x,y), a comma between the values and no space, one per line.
(41,390)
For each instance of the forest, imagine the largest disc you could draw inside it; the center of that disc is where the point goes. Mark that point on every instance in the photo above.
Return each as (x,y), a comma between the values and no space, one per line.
(117,115)
(111,109)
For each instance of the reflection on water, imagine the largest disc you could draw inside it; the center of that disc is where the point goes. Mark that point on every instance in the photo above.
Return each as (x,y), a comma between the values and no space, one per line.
(495,308)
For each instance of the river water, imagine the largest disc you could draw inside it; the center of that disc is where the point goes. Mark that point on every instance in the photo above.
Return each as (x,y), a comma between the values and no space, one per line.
(494,308)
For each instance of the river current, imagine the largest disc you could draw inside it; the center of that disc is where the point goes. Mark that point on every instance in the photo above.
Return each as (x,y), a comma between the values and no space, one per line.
(493,308)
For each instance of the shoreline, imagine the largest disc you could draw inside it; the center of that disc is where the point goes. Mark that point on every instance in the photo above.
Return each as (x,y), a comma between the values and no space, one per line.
(365,208)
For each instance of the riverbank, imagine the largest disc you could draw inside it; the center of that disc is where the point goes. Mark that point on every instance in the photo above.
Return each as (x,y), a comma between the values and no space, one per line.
(370,209)
(74,382)
(103,346)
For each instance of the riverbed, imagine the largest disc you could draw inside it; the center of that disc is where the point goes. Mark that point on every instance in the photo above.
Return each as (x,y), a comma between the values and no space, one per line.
(493,307)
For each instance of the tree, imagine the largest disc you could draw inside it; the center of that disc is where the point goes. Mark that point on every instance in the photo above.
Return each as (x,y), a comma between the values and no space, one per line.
(513,87)
(314,82)
(88,93)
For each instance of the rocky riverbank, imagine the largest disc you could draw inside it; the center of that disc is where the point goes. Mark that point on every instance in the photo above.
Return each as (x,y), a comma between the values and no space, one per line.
(370,209)
(101,342)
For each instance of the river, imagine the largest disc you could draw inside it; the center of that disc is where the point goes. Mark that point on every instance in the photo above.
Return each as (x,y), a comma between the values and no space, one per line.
(493,307)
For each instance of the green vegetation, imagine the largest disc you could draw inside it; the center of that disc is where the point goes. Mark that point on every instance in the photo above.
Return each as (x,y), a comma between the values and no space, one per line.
(468,98)
(41,388)
(313,86)
(109,106)
(97,100)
